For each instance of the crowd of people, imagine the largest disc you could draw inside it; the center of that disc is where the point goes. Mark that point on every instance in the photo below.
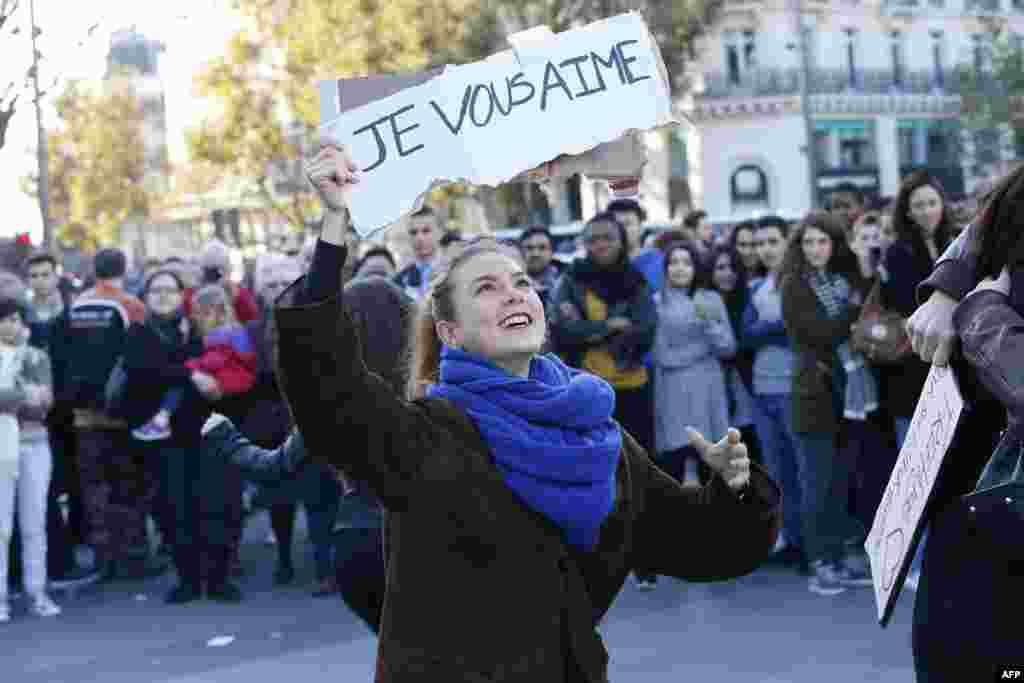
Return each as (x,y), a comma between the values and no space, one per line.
(104,392)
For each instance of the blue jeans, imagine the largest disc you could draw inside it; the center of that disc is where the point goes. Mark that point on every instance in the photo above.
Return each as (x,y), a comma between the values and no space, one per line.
(824,484)
(321,498)
(773,421)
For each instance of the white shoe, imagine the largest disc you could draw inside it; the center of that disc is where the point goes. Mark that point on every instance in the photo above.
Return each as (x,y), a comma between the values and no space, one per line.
(42,606)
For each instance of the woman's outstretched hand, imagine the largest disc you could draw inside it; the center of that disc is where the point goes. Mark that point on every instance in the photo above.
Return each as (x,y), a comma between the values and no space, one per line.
(728,457)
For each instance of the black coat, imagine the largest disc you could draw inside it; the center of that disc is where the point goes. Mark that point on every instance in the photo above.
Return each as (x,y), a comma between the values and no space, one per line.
(902,383)
(519,604)
(154,365)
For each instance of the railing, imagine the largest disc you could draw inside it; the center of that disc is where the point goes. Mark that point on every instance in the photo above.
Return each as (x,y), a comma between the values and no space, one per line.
(773,82)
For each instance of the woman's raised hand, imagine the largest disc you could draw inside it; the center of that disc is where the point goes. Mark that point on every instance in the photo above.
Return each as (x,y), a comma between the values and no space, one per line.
(728,457)
(333,173)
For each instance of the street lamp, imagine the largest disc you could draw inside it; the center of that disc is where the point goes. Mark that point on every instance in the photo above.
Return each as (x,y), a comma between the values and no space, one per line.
(810,153)
(42,155)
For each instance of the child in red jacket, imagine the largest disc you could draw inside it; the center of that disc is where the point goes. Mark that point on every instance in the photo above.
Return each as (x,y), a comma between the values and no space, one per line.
(229,356)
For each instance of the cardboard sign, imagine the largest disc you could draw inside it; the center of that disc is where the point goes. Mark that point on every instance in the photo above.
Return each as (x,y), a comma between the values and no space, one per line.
(898,522)
(489,121)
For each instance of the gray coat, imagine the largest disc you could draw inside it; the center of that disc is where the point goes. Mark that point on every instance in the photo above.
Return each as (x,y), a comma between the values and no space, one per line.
(689,380)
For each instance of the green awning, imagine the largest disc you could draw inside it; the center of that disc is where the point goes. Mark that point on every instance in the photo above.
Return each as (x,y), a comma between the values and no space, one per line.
(845,127)
(914,124)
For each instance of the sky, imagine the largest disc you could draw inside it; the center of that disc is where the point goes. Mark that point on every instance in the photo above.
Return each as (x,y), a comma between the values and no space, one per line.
(194,31)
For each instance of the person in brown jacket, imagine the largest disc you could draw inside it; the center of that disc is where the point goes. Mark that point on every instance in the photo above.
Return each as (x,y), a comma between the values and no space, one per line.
(515,505)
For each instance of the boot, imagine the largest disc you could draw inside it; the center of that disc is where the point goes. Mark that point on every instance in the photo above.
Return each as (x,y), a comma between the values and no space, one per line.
(219,586)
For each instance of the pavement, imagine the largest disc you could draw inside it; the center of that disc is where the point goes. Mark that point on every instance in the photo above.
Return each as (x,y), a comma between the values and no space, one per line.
(765,627)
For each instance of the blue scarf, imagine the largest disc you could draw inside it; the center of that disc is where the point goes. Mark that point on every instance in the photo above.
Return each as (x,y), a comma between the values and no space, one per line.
(552,435)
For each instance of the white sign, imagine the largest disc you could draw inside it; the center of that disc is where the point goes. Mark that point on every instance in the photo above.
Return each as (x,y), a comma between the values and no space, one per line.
(486,122)
(898,522)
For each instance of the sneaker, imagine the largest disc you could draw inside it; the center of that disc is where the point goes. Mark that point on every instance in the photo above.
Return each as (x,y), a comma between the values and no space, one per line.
(182,593)
(646,583)
(284,575)
(151,431)
(225,592)
(76,576)
(325,587)
(824,579)
(42,606)
(853,575)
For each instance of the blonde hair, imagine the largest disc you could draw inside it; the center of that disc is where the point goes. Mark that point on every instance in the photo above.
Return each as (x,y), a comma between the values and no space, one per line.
(213,295)
(439,305)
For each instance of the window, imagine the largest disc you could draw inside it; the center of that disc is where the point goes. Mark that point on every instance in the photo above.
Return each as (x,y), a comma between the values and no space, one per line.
(740,55)
(732,57)
(897,59)
(938,74)
(749,184)
(905,138)
(749,51)
(851,56)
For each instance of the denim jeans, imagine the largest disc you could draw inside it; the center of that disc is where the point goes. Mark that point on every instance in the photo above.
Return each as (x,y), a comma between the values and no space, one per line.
(27,493)
(824,482)
(774,423)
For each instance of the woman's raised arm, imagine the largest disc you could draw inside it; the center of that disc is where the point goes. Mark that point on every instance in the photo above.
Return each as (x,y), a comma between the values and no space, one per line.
(349,417)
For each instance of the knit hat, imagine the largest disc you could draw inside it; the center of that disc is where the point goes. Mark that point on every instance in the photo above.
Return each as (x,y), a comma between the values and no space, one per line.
(109,263)
(215,255)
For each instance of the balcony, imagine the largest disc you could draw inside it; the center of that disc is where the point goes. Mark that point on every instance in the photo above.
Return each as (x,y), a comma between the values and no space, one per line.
(783,82)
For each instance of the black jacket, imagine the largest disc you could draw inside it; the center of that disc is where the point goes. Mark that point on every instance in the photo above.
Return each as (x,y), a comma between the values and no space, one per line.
(154,365)
(459,542)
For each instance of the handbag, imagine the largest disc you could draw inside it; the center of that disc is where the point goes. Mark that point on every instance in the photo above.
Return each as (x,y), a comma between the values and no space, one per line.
(116,390)
(878,334)
(968,605)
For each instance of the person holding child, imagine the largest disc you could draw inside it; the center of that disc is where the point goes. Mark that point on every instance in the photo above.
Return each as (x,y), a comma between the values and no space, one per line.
(161,386)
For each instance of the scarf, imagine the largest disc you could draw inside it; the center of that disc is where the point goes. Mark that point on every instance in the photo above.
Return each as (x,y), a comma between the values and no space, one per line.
(861,393)
(551,435)
(615,284)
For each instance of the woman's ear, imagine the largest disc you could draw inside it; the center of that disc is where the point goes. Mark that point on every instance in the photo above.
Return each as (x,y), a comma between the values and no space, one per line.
(447,332)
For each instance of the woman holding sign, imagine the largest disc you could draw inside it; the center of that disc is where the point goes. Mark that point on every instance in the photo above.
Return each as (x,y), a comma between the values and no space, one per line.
(516,505)
(967,608)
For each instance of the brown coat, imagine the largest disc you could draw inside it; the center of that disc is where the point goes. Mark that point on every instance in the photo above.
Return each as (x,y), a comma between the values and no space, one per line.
(814,338)
(479,586)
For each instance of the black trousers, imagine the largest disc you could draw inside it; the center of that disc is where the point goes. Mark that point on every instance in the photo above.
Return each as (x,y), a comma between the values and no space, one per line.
(199,511)
(359,562)
(634,410)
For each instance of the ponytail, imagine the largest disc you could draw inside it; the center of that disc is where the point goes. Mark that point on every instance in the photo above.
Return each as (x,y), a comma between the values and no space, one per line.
(426,350)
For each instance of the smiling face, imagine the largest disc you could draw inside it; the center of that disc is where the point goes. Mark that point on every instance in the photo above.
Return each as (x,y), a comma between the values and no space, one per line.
(680,270)
(498,315)
(926,209)
(817,247)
